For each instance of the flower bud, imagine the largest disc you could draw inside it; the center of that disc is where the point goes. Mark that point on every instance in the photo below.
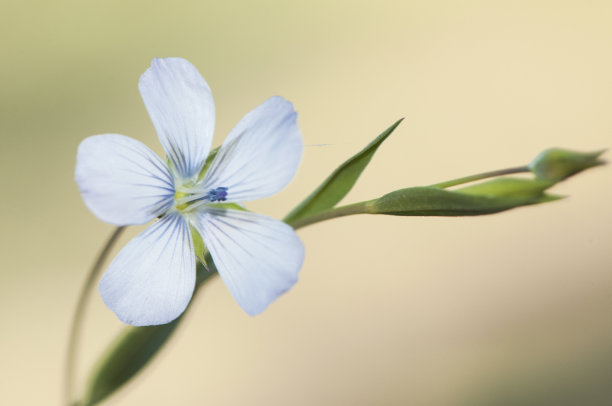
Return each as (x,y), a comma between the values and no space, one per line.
(556,164)
(432,201)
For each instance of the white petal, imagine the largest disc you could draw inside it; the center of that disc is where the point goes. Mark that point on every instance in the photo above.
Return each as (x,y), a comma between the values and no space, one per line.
(121,180)
(257,257)
(181,107)
(260,155)
(152,278)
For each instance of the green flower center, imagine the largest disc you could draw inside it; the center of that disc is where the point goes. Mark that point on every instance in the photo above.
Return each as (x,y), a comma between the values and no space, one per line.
(178,197)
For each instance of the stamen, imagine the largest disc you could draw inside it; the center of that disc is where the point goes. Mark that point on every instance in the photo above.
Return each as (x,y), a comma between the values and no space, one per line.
(217,195)
(191,199)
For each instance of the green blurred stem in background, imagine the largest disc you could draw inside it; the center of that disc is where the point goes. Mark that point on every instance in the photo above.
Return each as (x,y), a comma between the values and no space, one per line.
(79,313)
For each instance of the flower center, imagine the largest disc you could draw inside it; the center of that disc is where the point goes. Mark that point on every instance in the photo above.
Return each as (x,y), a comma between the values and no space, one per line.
(192,199)
(179,197)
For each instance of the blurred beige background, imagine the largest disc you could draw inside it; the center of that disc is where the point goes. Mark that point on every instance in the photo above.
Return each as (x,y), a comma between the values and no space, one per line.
(510,309)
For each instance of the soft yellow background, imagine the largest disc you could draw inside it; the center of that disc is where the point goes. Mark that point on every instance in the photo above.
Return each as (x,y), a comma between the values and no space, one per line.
(510,309)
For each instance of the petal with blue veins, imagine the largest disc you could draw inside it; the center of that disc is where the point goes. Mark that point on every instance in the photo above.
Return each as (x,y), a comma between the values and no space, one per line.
(182,109)
(260,155)
(151,280)
(121,180)
(257,257)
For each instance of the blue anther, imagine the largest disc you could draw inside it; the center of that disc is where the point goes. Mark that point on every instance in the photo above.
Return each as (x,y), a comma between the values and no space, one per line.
(218,194)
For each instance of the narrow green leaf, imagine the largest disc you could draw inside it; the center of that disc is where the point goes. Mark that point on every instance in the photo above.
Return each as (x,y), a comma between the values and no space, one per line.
(431,201)
(132,351)
(340,182)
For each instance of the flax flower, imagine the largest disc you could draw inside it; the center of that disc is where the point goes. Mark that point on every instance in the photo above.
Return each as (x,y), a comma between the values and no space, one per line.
(123,182)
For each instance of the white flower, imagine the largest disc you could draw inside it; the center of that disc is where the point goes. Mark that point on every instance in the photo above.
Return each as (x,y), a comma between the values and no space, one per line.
(123,182)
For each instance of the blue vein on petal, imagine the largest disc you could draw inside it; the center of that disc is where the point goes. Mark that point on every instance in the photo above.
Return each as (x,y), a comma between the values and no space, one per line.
(240,217)
(217,242)
(156,164)
(168,225)
(178,159)
(240,139)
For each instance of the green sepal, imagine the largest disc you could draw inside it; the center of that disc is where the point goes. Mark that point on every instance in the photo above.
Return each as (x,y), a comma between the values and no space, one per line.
(198,246)
(508,187)
(432,201)
(230,206)
(209,159)
(557,164)
(340,182)
(133,349)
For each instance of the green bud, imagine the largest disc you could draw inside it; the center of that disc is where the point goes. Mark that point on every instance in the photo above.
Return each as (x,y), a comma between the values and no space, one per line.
(433,201)
(556,164)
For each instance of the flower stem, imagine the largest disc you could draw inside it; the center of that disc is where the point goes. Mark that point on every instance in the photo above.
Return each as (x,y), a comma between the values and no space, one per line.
(355,208)
(480,176)
(77,319)
(363,207)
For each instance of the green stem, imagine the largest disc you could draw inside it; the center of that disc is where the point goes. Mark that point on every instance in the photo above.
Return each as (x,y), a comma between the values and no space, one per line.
(355,208)
(480,176)
(77,319)
(362,207)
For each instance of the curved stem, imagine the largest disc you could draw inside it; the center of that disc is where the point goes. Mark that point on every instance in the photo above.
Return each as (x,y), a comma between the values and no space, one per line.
(77,319)
(480,176)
